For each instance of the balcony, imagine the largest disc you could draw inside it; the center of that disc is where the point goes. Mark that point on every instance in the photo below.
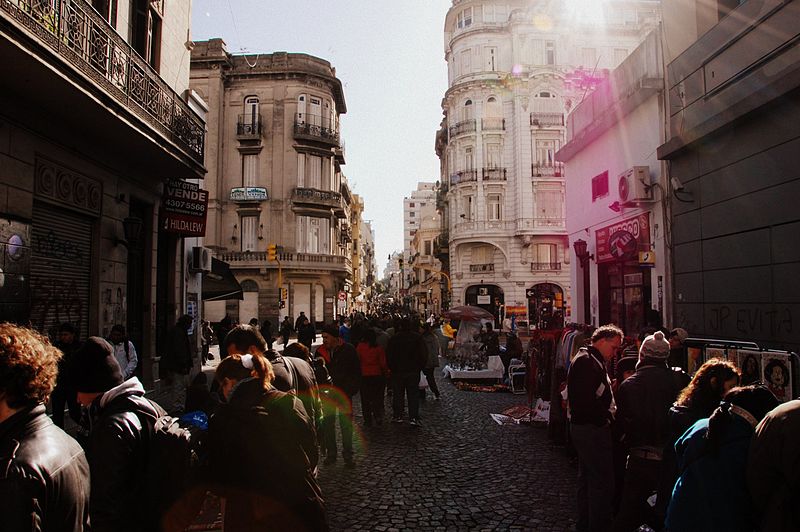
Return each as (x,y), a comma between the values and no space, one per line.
(481,268)
(248,127)
(463,176)
(441,196)
(465,126)
(547,119)
(101,83)
(441,246)
(315,128)
(541,226)
(258,259)
(545,266)
(340,153)
(493,124)
(547,169)
(493,174)
(315,197)
(468,229)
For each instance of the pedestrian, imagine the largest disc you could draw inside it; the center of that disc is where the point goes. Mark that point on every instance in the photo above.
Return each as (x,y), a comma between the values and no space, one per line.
(266,332)
(124,351)
(291,375)
(306,332)
(64,391)
(207,338)
(374,371)
(432,361)
(119,421)
(406,356)
(697,401)
(773,469)
(677,351)
(177,362)
(711,492)
(591,410)
(286,329)
(44,475)
(643,403)
(513,351)
(345,370)
(344,330)
(262,452)
(299,320)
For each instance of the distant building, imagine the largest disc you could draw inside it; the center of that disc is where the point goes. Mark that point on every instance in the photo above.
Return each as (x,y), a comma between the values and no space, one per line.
(422,202)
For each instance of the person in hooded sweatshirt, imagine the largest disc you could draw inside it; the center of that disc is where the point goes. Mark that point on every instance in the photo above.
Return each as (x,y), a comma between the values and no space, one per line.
(119,420)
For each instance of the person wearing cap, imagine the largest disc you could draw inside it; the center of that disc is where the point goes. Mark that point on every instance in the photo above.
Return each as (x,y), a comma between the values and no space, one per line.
(119,419)
(643,403)
(677,351)
(44,475)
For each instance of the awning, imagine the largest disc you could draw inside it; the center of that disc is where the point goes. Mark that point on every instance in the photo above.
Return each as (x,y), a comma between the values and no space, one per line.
(220,284)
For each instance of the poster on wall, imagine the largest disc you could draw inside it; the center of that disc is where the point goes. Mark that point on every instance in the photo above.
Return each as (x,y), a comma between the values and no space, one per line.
(695,359)
(732,355)
(715,352)
(750,366)
(777,374)
(183,208)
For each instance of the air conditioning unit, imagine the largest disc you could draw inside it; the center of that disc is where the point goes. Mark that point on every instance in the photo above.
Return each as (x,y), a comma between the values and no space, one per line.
(201,259)
(634,184)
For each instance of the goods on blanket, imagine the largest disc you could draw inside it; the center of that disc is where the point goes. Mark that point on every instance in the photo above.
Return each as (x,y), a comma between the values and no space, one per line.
(480,387)
(468,356)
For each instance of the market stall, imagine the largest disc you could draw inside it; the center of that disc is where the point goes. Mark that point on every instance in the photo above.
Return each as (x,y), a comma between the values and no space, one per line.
(467,360)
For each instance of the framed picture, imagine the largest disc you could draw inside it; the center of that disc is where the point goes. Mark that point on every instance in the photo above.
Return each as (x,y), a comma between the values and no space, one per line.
(777,375)
(694,359)
(715,352)
(750,366)
(732,355)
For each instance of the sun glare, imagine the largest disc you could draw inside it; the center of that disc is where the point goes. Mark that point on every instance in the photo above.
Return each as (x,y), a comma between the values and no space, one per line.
(586,11)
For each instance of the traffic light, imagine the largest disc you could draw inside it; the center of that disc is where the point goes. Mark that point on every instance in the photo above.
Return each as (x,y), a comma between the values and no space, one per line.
(284,294)
(272,252)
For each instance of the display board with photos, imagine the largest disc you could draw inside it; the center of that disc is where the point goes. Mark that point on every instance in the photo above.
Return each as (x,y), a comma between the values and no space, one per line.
(778,370)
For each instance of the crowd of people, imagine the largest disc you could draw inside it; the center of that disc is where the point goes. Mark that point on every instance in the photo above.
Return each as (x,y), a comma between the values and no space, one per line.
(660,450)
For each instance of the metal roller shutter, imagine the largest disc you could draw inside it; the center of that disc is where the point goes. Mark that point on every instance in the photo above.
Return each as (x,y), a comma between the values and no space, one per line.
(61,254)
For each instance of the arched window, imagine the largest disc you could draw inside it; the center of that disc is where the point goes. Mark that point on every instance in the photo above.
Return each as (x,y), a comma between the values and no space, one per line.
(251,115)
(248,285)
(468,112)
(493,109)
(301,109)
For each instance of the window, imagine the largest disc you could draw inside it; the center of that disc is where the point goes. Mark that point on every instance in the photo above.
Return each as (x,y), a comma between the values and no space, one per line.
(107,9)
(314,175)
(493,155)
(466,62)
(250,112)
(588,57)
(545,152)
(250,170)
(549,52)
(412,222)
(493,109)
(468,112)
(549,202)
(600,186)
(412,214)
(494,207)
(469,159)
(301,169)
(546,253)
(146,31)
(482,255)
(313,235)
(469,208)
(619,55)
(427,247)
(491,58)
(464,19)
(494,14)
(249,226)
(411,204)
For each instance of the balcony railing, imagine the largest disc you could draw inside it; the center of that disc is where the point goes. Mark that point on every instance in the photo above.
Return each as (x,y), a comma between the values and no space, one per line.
(554,169)
(541,225)
(84,39)
(490,226)
(313,196)
(493,124)
(478,268)
(493,174)
(465,126)
(545,266)
(248,127)
(313,127)
(547,119)
(255,259)
(463,176)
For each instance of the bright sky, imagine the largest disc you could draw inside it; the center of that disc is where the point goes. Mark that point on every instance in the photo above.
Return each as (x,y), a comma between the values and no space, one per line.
(390,59)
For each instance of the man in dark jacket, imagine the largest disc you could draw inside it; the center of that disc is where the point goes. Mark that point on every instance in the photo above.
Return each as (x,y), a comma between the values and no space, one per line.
(121,420)
(345,370)
(643,403)
(176,363)
(64,392)
(592,408)
(406,356)
(306,332)
(44,476)
(291,374)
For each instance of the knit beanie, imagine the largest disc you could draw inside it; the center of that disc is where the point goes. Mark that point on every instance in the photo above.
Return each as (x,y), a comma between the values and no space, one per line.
(94,367)
(654,346)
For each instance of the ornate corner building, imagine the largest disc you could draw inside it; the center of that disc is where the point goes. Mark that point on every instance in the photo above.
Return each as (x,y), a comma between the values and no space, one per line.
(274,155)
(515,70)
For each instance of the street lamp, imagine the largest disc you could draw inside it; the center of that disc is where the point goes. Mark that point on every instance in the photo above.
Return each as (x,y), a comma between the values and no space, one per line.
(583,256)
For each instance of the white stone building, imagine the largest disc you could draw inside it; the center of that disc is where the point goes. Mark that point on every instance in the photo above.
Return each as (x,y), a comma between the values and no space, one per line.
(415,206)
(515,70)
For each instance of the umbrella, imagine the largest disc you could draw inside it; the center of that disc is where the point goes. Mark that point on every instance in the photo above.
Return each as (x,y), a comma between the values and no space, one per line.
(468,313)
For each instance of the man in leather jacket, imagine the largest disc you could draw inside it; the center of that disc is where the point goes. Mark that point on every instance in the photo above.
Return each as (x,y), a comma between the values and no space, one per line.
(44,476)
(120,421)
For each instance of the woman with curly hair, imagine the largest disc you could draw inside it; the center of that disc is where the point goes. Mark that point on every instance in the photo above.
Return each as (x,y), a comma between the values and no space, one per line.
(262,452)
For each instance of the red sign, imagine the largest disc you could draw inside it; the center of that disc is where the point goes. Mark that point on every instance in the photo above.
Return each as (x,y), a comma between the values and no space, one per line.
(183,208)
(621,241)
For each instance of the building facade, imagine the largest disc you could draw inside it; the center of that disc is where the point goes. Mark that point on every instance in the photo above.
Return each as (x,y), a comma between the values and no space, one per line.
(274,156)
(428,284)
(617,197)
(515,71)
(95,118)
(421,201)
(732,153)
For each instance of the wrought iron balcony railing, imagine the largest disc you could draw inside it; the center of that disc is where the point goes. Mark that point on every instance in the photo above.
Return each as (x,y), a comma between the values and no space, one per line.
(463,176)
(493,124)
(554,169)
(248,126)
(545,266)
(493,174)
(465,126)
(314,127)
(475,268)
(313,196)
(248,259)
(79,35)
(547,119)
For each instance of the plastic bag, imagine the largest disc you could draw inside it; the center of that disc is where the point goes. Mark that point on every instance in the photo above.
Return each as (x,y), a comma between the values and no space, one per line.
(423,381)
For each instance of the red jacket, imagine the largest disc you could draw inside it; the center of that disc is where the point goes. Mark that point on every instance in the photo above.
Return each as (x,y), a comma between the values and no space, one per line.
(373,360)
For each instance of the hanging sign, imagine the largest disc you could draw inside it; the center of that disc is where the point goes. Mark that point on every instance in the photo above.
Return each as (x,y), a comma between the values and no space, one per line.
(647,259)
(183,208)
(622,240)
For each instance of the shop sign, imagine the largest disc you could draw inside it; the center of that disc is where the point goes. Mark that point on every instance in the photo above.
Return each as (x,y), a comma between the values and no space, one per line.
(484,300)
(637,237)
(516,310)
(249,194)
(183,208)
(647,259)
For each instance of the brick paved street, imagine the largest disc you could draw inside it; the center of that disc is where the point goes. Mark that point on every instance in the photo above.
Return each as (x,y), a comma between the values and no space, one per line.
(459,471)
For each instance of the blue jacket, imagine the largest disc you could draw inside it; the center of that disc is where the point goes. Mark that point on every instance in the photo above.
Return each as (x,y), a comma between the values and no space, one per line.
(711,492)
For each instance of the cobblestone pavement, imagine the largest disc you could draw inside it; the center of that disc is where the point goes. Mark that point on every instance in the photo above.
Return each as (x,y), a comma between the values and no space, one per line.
(458,471)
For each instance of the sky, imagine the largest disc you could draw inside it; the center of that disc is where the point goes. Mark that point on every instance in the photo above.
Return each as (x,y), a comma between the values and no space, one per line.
(390,59)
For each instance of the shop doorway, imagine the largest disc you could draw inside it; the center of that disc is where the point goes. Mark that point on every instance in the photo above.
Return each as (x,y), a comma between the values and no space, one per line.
(546,306)
(624,295)
(489,297)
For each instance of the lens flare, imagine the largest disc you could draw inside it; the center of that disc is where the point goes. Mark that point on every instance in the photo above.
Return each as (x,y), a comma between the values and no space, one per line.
(334,399)
(516,70)
(543,22)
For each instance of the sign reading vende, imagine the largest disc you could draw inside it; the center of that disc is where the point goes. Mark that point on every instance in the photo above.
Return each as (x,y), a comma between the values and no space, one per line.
(621,240)
(183,208)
